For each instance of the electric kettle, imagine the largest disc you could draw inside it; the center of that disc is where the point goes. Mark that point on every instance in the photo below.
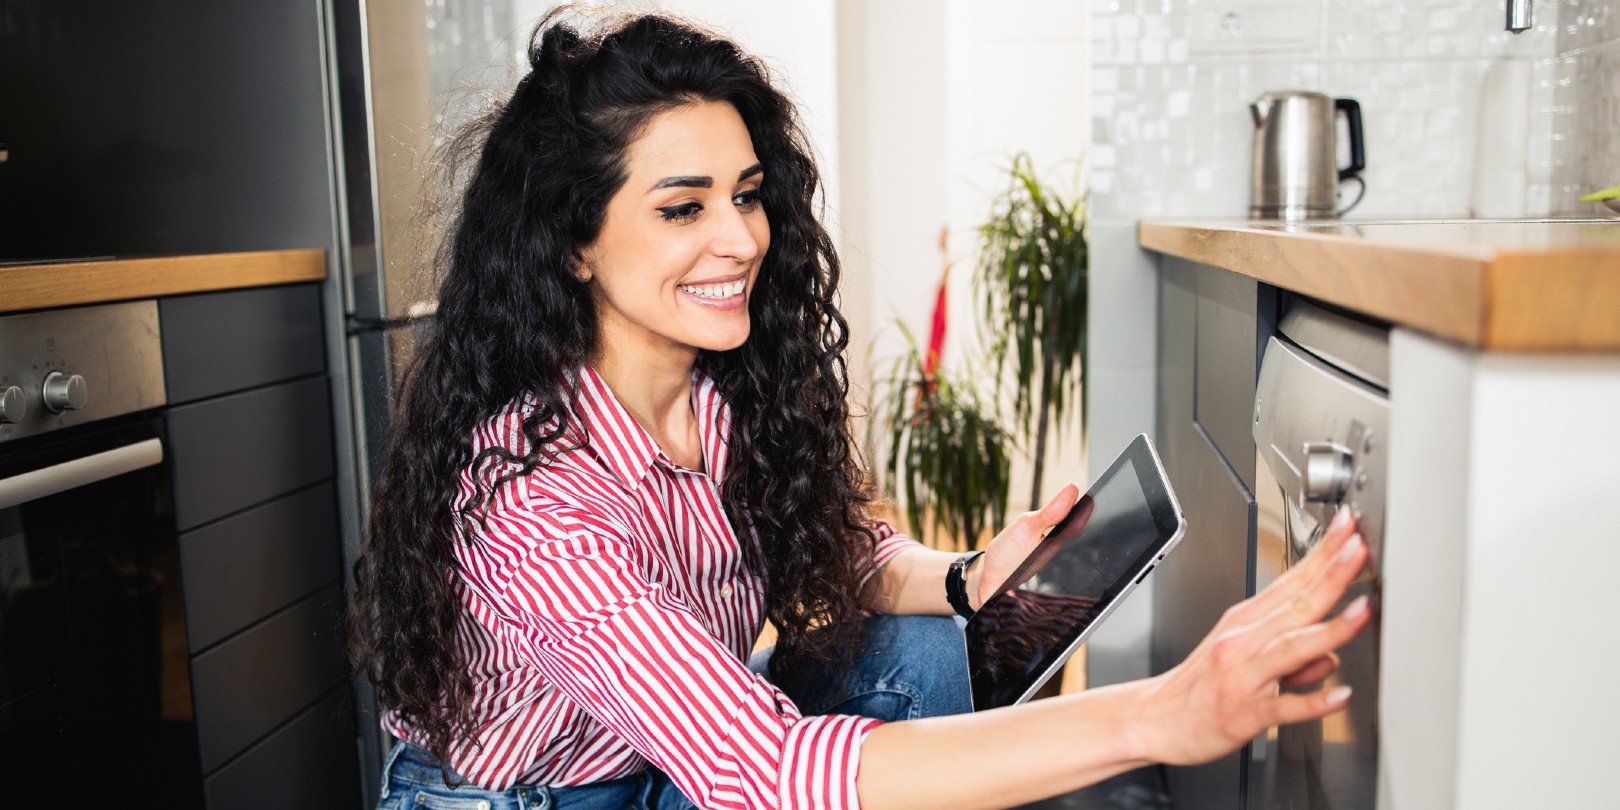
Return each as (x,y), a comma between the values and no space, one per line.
(1296,175)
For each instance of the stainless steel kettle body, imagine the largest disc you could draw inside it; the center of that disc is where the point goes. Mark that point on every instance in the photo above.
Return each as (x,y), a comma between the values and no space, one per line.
(1295,171)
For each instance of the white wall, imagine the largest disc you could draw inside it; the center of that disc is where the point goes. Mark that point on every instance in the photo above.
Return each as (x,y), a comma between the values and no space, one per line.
(936,98)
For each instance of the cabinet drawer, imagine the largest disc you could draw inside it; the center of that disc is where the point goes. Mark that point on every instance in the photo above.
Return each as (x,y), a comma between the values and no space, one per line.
(256,681)
(309,764)
(243,568)
(236,451)
(215,343)
(1228,324)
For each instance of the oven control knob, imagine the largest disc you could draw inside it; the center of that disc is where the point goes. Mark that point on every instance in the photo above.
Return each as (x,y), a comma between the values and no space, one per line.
(12,405)
(1327,472)
(63,392)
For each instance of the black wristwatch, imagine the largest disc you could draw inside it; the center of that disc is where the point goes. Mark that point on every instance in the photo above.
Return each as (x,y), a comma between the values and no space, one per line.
(956,584)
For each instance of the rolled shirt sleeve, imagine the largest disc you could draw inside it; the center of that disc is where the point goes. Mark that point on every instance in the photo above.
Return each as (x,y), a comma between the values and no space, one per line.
(889,543)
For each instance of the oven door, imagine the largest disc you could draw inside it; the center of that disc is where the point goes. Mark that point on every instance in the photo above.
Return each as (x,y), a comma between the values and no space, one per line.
(94,679)
(1319,435)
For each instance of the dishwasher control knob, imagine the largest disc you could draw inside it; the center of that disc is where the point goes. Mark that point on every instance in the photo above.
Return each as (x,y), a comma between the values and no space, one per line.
(63,392)
(1327,472)
(12,405)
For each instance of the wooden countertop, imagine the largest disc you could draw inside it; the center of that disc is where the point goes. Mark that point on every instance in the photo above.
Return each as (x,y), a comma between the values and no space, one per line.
(1530,285)
(64,284)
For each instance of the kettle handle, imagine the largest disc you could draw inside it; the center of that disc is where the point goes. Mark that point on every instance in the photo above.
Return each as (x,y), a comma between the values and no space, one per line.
(1358,157)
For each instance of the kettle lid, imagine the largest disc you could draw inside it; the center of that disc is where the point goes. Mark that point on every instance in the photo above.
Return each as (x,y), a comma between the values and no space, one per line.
(1261,107)
(1273,96)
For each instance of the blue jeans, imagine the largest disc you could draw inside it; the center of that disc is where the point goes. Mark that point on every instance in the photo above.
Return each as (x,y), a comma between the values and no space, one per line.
(910,667)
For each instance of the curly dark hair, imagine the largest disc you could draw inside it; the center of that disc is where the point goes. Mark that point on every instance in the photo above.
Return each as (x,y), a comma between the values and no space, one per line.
(513,320)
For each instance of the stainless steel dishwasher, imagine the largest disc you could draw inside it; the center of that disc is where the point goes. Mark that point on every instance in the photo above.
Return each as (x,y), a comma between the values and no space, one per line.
(1321,417)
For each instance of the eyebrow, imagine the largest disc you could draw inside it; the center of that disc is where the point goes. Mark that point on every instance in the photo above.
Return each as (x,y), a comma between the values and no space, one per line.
(695,181)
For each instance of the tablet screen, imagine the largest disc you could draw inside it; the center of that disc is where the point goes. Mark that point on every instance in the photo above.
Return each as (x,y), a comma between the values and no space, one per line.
(1089,561)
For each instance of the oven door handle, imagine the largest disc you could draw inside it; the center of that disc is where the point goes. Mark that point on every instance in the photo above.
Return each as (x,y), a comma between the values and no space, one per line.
(30,486)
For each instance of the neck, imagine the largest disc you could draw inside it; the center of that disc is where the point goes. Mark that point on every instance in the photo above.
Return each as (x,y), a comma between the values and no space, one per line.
(656,389)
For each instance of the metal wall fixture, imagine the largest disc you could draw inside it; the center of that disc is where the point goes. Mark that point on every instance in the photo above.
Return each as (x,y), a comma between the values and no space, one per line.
(1518,16)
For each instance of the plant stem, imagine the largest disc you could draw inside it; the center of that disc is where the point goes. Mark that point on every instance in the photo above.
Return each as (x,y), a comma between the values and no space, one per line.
(1049,350)
(1040,442)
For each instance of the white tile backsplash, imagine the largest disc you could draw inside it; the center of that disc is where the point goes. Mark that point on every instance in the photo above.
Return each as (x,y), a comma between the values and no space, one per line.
(1585,149)
(1416,66)
(1585,23)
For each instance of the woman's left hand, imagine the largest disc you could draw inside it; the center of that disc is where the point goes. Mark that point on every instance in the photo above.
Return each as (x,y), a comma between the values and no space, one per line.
(1015,543)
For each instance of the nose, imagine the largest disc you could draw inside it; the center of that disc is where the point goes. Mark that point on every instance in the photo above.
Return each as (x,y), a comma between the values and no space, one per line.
(740,236)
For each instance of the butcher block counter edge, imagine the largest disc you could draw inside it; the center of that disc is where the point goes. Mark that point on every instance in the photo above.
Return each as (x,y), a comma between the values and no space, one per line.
(65,284)
(1549,286)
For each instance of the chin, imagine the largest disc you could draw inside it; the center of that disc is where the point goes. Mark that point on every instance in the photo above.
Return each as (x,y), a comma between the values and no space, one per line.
(726,341)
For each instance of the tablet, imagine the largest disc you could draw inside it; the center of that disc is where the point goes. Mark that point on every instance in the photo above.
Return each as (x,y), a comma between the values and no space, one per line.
(1074,579)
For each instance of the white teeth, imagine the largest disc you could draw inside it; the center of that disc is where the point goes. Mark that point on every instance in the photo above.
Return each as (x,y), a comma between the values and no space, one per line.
(716,290)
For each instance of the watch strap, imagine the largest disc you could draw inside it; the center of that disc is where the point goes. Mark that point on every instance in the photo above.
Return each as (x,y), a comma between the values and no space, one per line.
(956,584)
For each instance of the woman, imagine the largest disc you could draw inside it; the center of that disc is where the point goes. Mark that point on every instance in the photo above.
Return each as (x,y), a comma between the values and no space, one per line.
(625,444)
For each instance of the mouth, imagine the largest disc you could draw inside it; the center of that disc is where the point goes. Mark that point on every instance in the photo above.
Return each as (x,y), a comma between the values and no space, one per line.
(715,291)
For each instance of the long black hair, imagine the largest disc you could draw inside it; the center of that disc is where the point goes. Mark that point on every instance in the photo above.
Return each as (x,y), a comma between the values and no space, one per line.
(514,321)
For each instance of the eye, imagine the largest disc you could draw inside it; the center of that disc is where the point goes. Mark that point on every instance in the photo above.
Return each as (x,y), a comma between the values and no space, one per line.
(748,201)
(685,212)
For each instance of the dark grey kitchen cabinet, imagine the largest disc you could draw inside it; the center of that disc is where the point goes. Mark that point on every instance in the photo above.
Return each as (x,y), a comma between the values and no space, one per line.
(218,343)
(1212,330)
(250,438)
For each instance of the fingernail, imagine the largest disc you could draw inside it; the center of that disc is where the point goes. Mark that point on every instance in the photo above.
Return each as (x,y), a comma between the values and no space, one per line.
(1338,694)
(1341,518)
(1352,547)
(1357,609)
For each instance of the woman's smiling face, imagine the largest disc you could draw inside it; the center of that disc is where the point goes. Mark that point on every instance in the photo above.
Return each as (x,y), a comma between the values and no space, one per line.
(682,240)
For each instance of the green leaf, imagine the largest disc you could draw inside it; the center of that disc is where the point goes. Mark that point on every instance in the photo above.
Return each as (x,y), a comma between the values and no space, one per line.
(1032,276)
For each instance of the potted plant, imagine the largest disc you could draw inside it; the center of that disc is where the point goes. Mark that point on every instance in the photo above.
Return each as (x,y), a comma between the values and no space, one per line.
(945,455)
(1032,275)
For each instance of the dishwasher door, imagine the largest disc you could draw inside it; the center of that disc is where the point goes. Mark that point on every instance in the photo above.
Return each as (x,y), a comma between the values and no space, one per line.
(1321,416)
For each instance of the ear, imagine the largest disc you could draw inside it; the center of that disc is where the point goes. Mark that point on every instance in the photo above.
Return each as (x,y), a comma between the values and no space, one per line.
(581,268)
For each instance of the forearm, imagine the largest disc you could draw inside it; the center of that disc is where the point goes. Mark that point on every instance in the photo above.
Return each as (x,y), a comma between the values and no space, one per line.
(1004,757)
(913,583)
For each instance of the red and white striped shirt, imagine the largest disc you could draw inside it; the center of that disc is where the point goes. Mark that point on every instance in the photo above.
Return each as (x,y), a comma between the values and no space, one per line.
(607,616)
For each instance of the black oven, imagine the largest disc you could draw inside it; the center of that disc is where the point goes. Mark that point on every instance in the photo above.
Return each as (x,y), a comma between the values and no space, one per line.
(95,690)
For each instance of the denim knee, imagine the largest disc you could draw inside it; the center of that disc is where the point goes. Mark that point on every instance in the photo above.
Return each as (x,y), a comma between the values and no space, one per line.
(909,667)
(927,654)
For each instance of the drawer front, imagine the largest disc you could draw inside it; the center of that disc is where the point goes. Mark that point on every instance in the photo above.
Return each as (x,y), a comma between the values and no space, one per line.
(259,679)
(216,343)
(234,452)
(1227,362)
(308,764)
(243,568)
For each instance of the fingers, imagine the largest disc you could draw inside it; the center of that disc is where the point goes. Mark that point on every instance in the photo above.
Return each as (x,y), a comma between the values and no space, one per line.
(1314,672)
(1055,509)
(1291,708)
(1295,650)
(1300,576)
(1306,601)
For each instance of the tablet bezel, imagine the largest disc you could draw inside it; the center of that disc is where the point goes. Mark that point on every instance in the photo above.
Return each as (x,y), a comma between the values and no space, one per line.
(1166,516)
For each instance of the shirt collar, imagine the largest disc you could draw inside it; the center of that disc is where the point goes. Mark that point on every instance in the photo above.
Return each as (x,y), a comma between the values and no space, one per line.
(627,449)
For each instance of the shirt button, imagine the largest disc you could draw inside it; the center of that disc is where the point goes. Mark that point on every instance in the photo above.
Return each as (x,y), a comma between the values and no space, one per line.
(725,590)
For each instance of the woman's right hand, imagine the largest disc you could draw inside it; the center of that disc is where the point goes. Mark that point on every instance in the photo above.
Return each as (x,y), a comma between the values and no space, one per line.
(1227,691)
